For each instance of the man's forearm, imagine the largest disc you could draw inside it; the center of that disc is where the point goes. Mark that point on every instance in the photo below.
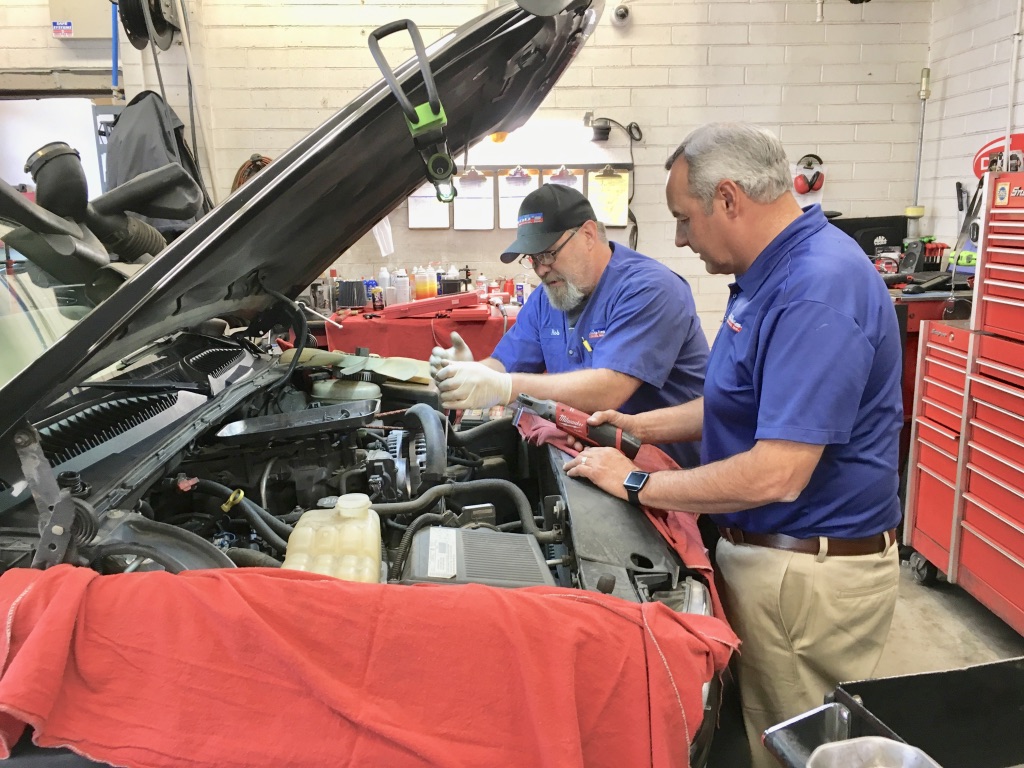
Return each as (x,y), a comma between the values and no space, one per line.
(772,471)
(587,390)
(678,424)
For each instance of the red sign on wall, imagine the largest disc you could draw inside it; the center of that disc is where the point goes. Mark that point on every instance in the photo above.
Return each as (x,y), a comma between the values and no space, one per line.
(997,146)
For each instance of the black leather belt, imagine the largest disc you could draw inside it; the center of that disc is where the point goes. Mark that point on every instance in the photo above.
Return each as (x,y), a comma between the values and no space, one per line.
(869,545)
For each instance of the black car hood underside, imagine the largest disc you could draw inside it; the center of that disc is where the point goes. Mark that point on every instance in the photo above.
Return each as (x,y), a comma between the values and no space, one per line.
(290,222)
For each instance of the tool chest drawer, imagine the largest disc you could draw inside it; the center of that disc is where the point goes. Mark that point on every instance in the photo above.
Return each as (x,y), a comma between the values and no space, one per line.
(1005,445)
(998,468)
(947,395)
(1013,257)
(933,506)
(1001,359)
(1005,401)
(945,372)
(1002,301)
(1001,575)
(995,493)
(938,436)
(1003,529)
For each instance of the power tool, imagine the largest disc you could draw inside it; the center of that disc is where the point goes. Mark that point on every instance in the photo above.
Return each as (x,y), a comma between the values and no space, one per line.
(574,422)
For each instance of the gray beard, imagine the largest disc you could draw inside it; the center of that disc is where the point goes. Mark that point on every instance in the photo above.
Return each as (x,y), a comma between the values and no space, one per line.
(565,298)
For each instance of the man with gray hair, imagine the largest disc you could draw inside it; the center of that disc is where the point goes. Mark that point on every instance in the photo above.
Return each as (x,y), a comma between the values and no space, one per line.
(800,422)
(611,329)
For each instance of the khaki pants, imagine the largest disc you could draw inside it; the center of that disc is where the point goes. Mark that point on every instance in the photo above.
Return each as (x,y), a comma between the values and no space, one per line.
(806,625)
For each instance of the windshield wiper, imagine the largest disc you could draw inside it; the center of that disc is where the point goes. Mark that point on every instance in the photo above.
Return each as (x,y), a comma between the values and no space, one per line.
(151,385)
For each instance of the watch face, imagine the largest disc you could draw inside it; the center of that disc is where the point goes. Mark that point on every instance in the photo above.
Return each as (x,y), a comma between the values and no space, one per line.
(635,480)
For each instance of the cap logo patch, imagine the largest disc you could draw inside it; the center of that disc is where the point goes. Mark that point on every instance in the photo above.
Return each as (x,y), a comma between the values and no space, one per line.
(531,218)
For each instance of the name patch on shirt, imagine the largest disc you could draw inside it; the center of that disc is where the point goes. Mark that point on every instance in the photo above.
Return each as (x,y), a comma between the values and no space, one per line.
(556,332)
(733,325)
(531,218)
(597,333)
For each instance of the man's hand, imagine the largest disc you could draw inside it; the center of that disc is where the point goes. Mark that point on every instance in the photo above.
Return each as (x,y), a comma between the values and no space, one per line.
(604,467)
(623,421)
(459,351)
(472,385)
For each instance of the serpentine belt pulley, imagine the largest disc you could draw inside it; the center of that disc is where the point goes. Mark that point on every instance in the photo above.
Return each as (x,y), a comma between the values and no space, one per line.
(133,18)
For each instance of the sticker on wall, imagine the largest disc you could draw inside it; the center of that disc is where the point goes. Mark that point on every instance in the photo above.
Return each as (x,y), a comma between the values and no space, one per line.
(992,153)
(62,29)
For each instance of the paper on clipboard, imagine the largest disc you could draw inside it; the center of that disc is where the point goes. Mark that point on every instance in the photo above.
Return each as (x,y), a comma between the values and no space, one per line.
(608,192)
(474,207)
(513,186)
(426,211)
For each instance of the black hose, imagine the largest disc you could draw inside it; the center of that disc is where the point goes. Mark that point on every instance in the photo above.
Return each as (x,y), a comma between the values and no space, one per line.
(435,494)
(398,564)
(301,330)
(133,548)
(463,438)
(271,530)
(251,558)
(146,510)
(86,522)
(433,434)
(345,475)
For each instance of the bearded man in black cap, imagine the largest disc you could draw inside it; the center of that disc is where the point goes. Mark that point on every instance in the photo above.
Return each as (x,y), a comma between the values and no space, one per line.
(612,329)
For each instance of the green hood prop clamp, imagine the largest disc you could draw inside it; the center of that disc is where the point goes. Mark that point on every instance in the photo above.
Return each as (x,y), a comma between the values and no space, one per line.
(426,122)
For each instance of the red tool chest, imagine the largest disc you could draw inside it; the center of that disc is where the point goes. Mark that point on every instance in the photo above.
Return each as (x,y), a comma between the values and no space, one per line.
(978,539)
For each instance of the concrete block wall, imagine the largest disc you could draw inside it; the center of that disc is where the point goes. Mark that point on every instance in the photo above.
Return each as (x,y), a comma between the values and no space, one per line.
(845,89)
(971,43)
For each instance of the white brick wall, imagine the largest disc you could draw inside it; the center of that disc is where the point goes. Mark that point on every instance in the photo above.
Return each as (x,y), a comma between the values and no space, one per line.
(845,89)
(970,63)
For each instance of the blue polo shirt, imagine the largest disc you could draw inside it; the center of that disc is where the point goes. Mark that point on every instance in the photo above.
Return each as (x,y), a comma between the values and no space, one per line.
(640,320)
(810,352)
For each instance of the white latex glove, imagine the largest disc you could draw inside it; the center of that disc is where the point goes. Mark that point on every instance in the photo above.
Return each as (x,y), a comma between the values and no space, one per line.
(473,385)
(440,357)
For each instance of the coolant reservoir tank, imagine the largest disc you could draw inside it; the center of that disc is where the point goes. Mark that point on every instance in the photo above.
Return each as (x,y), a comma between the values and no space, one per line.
(338,391)
(343,542)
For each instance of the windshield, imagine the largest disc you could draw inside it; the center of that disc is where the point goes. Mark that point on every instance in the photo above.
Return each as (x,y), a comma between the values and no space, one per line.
(36,309)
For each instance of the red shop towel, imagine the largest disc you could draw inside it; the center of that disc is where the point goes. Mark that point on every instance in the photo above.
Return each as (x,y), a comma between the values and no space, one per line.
(265,667)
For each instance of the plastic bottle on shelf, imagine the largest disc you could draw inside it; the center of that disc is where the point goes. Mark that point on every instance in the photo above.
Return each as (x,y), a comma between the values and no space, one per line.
(401,284)
(343,542)
(481,285)
(384,278)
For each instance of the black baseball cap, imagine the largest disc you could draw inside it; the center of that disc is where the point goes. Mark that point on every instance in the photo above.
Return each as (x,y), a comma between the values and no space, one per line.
(544,215)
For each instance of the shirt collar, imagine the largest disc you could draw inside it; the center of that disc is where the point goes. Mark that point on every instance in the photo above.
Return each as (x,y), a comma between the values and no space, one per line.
(809,222)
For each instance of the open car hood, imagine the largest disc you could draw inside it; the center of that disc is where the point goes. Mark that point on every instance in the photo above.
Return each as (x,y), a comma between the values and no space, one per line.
(284,227)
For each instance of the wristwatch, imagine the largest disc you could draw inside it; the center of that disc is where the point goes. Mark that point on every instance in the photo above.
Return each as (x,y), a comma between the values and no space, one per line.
(633,483)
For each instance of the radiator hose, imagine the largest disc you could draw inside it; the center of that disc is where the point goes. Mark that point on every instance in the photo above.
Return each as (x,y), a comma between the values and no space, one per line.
(273,531)
(429,498)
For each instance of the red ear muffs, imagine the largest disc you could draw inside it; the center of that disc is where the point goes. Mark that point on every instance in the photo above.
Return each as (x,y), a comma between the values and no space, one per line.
(810,178)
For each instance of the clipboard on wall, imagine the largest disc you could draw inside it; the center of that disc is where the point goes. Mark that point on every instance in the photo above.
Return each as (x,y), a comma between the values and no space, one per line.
(474,207)
(426,211)
(608,192)
(569,177)
(513,186)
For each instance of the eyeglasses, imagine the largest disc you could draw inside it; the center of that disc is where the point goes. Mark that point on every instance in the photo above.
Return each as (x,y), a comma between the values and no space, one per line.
(544,258)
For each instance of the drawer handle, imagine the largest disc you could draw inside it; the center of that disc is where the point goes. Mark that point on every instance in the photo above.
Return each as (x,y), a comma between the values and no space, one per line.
(942,385)
(1002,368)
(978,471)
(974,531)
(929,424)
(1005,462)
(946,351)
(986,428)
(940,478)
(947,366)
(997,515)
(1006,390)
(987,404)
(1003,299)
(941,407)
(936,448)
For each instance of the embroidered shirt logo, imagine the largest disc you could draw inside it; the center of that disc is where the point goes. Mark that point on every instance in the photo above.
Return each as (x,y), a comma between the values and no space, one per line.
(597,333)
(531,218)
(733,325)
(556,332)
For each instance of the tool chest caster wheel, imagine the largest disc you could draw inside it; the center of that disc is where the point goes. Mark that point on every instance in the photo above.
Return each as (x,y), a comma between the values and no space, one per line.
(924,572)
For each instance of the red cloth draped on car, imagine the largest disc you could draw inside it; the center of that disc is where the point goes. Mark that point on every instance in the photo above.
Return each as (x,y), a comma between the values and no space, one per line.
(265,667)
